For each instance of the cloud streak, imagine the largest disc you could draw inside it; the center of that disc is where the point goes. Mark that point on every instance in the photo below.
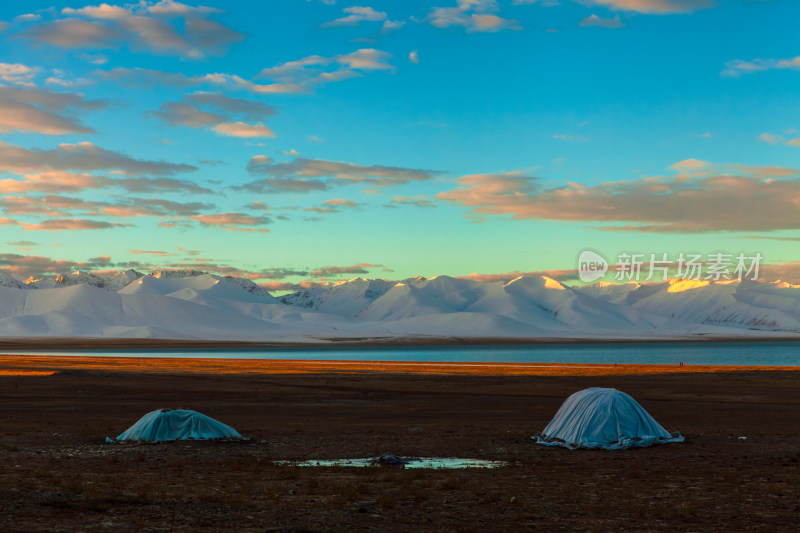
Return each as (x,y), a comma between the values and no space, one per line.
(304,175)
(83,156)
(699,199)
(163,28)
(32,110)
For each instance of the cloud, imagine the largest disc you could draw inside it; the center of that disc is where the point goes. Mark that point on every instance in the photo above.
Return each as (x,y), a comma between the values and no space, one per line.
(249,109)
(189,114)
(332,271)
(656,7)
(71,224)
(33,110)
(788,272)
(737,67)
(770,138)
(473,16)
(317,70)
(165,28)
(413,56)
(233,221)
(51,205)
(158,185)
(149,252)
(302,174)
(294,287)
(72,33)
(144,78)
(355,15)
(183,114)
(84,157)
(61,181)
(241,129)
(52,181)
(560,275)
(17,73)
(416,201)
(703,201)
(103,11)
(31,265)
(391,25)
(598,22)
(573,138)
(334,205)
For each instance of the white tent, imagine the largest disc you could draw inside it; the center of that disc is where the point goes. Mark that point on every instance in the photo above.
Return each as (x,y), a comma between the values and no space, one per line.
(603,418)
(166,425)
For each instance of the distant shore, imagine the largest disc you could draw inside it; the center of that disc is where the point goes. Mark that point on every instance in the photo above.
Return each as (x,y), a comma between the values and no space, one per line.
(80,344)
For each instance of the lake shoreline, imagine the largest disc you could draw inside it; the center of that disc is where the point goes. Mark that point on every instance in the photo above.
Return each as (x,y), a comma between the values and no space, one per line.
(94,343)
(30,364)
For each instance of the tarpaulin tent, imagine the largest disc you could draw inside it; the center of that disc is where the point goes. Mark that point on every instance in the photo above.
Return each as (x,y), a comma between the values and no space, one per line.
(166,425)
(603,418)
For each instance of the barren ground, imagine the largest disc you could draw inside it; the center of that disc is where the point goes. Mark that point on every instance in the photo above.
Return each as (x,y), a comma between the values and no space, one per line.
(56,473)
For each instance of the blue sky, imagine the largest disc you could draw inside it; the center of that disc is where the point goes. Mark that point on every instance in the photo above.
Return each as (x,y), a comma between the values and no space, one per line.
(309,141)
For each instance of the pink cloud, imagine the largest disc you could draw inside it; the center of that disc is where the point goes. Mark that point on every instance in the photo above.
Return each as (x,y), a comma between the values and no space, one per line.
(62,224)
(233,221)
(680,204)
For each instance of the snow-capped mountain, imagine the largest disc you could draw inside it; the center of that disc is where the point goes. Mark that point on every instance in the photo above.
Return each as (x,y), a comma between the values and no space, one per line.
(10,281)
(748,304)
(345,298)
(189,304)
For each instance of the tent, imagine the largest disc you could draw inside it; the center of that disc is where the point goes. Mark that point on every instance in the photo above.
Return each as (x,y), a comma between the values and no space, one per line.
(164,425)
(603,418)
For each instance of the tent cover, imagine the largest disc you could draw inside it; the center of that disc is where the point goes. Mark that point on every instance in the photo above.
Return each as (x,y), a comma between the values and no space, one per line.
(166,425)
(603,418)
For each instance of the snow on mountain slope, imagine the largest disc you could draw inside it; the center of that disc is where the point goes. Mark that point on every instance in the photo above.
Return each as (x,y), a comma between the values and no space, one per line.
(193,304)
(540,302)
(87,311)
(725,303)
(203,288)
(406,301)
(579,311)
(11,281)
(79,278)
(40,283)
(306,298)
(611,292)
(465,324)
(121,279)
(348,298)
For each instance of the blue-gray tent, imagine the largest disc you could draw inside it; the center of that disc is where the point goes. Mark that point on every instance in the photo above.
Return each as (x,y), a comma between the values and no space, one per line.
(165,425)
(603,418)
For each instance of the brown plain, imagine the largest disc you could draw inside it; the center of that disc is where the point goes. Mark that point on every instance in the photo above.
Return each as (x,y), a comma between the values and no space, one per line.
(57,474)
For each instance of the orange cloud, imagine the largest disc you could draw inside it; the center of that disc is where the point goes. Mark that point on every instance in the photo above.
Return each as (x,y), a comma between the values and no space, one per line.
(242,129)
(61,224)
(681,204)
(233,221)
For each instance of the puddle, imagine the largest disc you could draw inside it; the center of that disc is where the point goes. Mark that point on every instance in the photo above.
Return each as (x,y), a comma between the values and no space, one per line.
(409,462)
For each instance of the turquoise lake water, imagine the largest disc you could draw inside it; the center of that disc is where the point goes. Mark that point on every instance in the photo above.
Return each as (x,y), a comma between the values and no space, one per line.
(784,353)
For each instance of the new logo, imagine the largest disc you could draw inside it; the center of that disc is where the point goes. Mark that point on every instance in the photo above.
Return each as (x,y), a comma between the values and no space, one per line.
(591,266)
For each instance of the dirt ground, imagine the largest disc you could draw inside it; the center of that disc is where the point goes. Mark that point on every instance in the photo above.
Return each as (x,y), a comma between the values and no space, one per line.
(57,474)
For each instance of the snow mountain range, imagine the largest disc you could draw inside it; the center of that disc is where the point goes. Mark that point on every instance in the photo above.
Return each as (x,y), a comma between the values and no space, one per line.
(197,305)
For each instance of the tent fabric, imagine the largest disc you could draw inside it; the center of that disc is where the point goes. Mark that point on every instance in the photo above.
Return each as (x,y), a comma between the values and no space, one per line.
(603,418)
(164,425)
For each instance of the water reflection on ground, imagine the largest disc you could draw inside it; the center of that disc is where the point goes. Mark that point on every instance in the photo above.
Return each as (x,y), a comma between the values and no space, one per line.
(409,462)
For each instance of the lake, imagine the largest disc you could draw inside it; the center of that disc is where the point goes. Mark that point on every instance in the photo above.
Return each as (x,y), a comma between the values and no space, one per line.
(690,353)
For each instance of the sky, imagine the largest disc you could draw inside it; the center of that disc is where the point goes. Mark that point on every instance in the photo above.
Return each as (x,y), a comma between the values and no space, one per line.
(300,142)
